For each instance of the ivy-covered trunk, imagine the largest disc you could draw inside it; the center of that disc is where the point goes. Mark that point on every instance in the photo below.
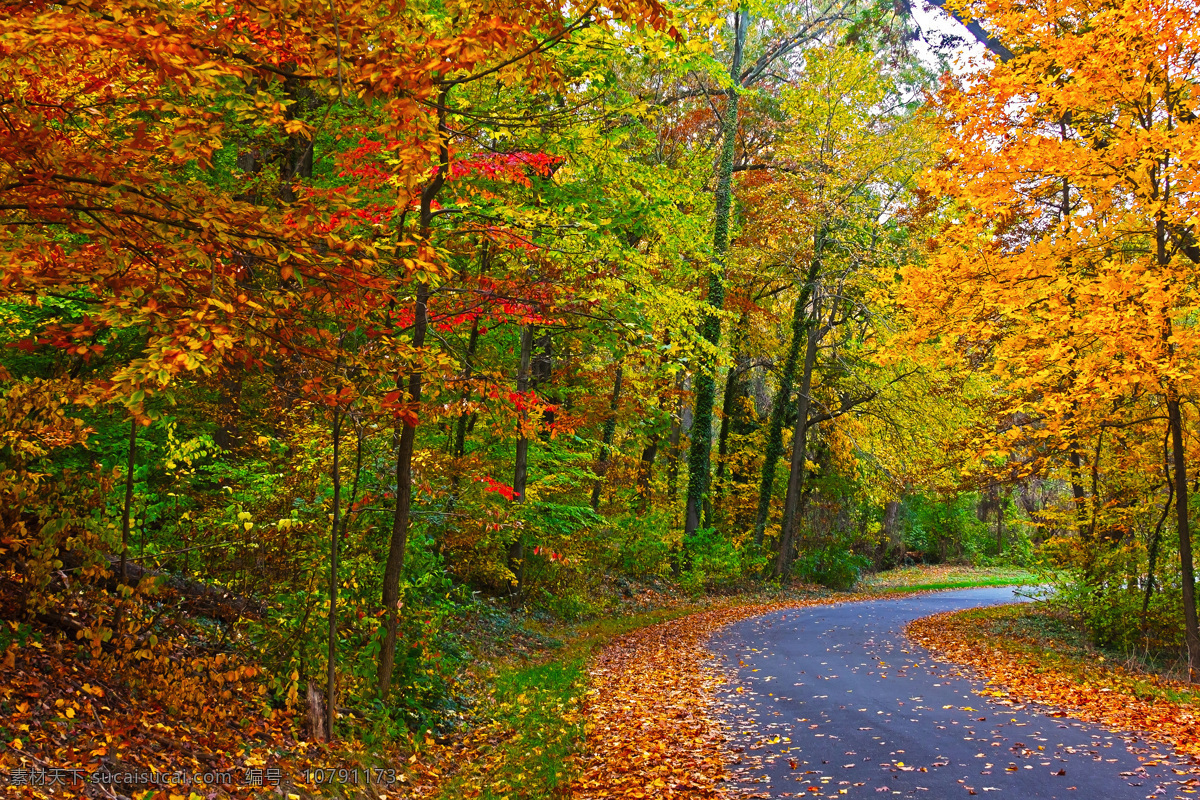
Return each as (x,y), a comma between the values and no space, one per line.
(728,411)
(700,452)
(800,326)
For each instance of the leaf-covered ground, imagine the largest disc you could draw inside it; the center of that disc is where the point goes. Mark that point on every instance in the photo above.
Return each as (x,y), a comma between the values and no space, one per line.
(71,730)
(650,728)
(1009,647)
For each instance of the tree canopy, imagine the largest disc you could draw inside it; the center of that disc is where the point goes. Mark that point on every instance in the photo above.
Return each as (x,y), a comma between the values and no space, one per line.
(323,326)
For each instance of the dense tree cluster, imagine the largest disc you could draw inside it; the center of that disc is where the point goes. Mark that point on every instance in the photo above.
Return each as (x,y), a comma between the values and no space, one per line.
(322,317)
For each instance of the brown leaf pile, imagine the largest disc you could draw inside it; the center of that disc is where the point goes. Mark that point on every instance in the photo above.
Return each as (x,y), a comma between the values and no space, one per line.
(1023,671)
(66,721)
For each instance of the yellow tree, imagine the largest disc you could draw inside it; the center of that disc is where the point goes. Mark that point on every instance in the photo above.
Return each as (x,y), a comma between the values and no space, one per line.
(1069,264)
(849,153)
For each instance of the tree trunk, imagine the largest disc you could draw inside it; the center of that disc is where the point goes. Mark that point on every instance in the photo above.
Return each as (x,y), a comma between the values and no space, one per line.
(1078,494)
(331,661)
(606,438)
(1155,540)
(1000,526)
(800,326)
(460,425)
(1186,568)
(645,470)
(458,449)
(516,551)
(728,411)
(197,598)
(891,528)
(405,441)
(316,713)
(728,397)
(229,400)
(699,454)
(296,155)
(799,464)
(127,508)
(674,438)
(1157,537)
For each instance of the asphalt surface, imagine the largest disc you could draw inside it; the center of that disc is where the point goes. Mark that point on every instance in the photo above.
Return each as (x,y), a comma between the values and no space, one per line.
(833,701)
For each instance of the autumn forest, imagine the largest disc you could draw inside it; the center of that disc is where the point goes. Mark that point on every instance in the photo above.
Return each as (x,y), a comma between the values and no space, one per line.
(362,360)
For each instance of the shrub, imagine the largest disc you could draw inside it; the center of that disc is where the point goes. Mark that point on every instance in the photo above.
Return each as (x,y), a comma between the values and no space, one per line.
(834,566)
(638,546)
(716,562)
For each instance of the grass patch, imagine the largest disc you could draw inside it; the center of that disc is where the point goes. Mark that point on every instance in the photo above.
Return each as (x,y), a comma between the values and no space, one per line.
(924,578)
(535,731)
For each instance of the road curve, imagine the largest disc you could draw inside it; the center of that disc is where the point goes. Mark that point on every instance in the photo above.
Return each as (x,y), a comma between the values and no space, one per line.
(833,701)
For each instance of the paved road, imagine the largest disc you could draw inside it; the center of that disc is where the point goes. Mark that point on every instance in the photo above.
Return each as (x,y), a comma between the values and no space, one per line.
(832,701)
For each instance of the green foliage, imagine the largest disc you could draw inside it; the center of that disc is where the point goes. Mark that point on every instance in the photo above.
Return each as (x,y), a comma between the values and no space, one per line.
(945,529)
(833,565)
(561,543)
(1102,588)
(716,562)
(640,546)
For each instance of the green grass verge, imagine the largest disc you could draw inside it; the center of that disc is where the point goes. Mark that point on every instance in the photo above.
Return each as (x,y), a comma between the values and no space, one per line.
(931,578)
(963,584)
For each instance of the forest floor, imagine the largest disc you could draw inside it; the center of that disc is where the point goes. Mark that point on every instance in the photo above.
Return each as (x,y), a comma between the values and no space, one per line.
(547,713)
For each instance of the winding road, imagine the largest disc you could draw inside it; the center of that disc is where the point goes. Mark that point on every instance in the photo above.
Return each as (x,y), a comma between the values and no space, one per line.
(833,701)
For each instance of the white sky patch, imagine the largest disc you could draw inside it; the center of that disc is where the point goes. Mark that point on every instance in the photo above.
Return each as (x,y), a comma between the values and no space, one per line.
(936,23)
